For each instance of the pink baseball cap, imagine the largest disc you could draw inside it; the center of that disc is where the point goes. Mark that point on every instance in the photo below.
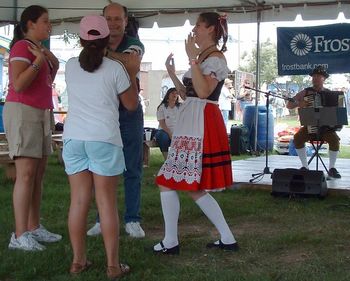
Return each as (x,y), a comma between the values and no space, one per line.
(93,22)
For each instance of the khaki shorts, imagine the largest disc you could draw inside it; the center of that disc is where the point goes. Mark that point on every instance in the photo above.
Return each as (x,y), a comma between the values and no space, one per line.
(28,130)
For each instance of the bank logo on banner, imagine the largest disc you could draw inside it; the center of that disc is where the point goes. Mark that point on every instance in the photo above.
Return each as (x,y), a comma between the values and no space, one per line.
(301,44)
(301,49)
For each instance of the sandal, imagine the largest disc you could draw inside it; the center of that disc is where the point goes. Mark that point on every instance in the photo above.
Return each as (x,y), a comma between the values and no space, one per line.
(115,272)
(77,268)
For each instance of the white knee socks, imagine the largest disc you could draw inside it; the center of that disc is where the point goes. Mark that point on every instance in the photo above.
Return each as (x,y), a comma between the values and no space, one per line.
(332,158)
(212,210)
(171,210)
(302,156)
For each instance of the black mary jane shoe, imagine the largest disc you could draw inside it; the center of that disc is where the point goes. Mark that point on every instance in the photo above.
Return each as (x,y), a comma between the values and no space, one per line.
(226,247)
(167,251)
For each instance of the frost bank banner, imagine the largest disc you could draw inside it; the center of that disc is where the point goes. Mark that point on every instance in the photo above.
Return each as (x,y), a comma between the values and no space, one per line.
(300,49)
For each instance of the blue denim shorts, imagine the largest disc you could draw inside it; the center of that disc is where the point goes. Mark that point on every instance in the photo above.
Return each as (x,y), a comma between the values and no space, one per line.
(101,158)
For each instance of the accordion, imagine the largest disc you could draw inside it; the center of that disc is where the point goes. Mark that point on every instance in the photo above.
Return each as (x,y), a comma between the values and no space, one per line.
(309,99)
(323,99)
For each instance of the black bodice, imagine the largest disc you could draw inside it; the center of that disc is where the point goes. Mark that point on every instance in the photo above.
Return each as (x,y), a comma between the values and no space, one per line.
(190,92)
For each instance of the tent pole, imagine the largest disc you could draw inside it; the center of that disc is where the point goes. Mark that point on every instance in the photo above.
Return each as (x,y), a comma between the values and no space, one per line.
(15,10)
(257,75)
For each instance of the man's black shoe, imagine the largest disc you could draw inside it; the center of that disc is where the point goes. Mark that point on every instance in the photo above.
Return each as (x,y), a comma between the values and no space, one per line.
(333,173)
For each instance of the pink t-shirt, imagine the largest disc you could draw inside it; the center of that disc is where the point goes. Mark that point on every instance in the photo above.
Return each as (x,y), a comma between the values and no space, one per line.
(38,94)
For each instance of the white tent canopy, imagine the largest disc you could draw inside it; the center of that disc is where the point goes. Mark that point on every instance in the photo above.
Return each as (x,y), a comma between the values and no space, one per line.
(66,13)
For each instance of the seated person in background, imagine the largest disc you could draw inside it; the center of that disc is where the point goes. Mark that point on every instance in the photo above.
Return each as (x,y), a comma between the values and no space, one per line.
(301,99)
(166,115)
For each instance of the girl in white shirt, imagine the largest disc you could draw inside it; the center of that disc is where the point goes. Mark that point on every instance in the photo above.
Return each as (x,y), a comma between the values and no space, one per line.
(166,115)
(93,148)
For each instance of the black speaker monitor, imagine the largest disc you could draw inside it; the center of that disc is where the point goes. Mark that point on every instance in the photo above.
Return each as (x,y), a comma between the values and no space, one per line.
(298,182)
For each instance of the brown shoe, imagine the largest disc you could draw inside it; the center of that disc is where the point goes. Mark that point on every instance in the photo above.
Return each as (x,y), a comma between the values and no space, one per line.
(77,268)
(114,272)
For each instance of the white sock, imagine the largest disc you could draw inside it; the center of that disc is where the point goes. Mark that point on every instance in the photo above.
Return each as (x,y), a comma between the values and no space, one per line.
(212,210)
(302,156)
(332,158)
(171,210)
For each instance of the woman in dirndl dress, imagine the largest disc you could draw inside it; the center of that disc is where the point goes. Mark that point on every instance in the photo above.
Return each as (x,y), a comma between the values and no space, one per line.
(198,158)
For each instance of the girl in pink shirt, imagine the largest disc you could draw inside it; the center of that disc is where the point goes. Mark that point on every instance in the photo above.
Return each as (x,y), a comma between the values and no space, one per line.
(32,68)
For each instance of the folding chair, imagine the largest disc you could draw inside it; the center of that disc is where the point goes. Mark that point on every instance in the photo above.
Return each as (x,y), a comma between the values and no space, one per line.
(316,145)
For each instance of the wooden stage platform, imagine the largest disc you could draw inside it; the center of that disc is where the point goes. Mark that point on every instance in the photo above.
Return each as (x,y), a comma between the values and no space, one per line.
(243,170)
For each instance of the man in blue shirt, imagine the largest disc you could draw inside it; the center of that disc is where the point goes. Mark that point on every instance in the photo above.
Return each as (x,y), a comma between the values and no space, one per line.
(131,123)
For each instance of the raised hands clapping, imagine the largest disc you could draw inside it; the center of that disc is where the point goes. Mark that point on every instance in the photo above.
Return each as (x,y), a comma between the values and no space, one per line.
(169,63)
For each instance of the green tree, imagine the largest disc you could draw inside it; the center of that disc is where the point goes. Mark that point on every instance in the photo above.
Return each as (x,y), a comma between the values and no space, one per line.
(268,62)
(268,66)
(301,80)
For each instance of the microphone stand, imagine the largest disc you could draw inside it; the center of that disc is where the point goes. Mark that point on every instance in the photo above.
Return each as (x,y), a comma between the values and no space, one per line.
(266,170)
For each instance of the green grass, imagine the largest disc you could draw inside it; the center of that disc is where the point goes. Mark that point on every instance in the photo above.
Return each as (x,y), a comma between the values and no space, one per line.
(280,239)
(344,151)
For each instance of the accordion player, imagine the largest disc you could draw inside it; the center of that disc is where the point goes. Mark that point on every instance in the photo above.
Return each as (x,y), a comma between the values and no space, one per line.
(317,96)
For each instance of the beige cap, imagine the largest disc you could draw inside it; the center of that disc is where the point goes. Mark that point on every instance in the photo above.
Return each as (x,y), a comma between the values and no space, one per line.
(228,81)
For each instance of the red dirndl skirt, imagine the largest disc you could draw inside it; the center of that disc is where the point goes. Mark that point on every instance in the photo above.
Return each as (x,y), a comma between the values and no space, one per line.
(213,157)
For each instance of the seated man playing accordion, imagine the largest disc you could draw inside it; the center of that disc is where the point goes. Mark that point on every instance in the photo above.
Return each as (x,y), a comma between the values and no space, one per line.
(309,98)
